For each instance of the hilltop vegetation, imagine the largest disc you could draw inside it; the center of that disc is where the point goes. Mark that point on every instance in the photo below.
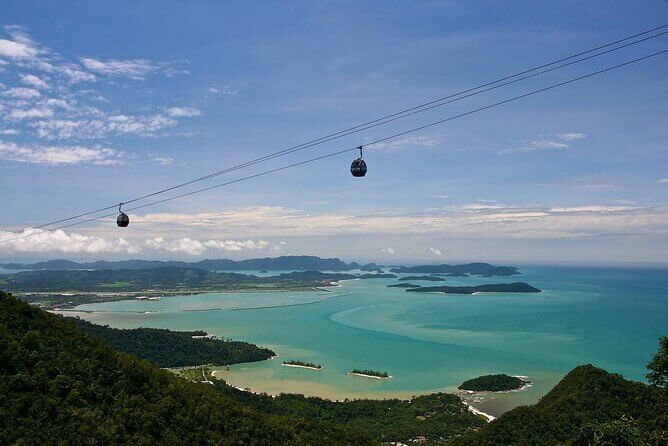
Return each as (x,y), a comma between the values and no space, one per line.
(588,399)
(60,386)
(167,348)
(517,287)
(493,383)
(436,416)
(476,269)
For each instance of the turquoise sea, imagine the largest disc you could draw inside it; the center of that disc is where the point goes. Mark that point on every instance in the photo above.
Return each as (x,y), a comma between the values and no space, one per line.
(610,317)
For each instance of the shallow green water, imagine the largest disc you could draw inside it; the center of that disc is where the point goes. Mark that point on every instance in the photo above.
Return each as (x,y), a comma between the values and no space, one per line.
(428,342)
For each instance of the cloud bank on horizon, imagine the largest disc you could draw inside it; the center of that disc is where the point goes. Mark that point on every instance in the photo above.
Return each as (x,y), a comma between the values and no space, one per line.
(91,117)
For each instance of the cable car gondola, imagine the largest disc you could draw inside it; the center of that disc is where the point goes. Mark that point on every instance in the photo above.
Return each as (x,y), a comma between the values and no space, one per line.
(358,167)
(122,220)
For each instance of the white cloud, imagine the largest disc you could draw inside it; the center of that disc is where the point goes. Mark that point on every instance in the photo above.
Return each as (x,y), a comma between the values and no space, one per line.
(34,81)
(662,181)
(558,142)
(20,114)
(225,91)
(134,69)
(177,112)
(22,93)
(185,245)
(38,240)
(436,251)
(389,250)
(74,113)
(164,160)
(54,155)
(408,142)
(571,136)
(235,245)
(9,132)
(16,50)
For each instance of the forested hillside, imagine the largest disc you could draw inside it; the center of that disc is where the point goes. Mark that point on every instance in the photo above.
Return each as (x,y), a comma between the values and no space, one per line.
(168,348)
(589,402)
(60,386)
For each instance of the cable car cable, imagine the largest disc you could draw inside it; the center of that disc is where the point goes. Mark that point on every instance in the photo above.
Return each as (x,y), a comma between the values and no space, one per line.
(391,117)
(375,142)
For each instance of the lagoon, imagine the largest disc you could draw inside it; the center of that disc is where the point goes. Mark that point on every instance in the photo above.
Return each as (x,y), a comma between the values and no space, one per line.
(610,317)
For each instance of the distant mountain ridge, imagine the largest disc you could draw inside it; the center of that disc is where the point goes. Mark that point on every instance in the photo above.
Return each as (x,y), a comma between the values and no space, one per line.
(282,263)
(266,263)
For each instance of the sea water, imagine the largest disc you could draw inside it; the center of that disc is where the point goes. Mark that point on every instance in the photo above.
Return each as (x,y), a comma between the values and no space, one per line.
(428,342)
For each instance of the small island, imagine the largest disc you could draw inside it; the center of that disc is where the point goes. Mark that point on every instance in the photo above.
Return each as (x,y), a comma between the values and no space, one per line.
(403,285)
(427,278)
(369,374)
(494,383)
(302,364)
(517,287)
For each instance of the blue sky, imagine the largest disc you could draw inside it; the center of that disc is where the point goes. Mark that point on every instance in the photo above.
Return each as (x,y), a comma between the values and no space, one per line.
(102,102)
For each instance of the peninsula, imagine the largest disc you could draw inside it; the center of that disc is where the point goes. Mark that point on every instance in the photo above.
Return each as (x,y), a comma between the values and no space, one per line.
(516,287)
(403,285)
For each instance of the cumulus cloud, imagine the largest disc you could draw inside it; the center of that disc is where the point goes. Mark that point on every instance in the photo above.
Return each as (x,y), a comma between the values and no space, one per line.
(662,181)
(55,155)
(37,240)
(16,50)
(34,81)
(22,93)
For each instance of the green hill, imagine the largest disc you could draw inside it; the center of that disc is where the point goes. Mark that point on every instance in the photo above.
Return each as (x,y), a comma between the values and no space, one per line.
(60,386)
(586,397)
(168,348)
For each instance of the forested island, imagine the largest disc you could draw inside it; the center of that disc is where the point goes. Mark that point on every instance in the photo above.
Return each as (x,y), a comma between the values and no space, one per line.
(426,278)
(494,383)
(476,269)
(92,391)
(403,285)
(167,348)
(517,287)
(377,276)
(306,365)
(369,373)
